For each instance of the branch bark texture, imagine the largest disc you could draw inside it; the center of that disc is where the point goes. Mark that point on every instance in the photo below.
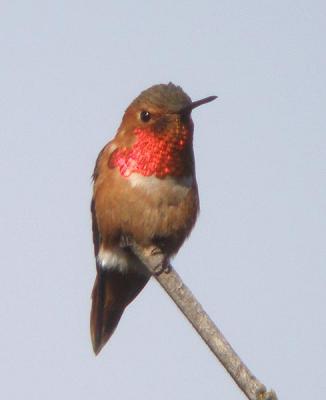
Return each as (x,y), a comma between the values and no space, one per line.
(194,312)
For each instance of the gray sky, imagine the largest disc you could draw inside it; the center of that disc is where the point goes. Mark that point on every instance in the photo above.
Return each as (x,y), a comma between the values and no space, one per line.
(256,259)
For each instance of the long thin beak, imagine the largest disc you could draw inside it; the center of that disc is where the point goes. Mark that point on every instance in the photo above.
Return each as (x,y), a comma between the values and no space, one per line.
(197,103)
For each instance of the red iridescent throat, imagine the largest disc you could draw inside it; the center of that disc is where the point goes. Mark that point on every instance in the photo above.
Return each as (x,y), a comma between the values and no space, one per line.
(158,154)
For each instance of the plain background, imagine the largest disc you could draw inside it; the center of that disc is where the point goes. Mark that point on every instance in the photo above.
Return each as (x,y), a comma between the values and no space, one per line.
(256,259)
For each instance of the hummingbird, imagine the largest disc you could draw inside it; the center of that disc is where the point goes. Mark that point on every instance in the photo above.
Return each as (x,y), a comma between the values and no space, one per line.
(144,189)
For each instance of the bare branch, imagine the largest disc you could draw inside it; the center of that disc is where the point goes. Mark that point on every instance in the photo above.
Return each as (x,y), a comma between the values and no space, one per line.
(190,307)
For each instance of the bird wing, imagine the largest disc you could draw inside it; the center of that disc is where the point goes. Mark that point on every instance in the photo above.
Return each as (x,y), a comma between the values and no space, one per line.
(113,290)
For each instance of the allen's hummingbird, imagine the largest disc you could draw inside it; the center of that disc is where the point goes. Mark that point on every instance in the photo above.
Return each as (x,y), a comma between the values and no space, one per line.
(144,189)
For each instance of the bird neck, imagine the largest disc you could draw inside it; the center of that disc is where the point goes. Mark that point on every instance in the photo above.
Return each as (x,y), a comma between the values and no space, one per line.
(165,154)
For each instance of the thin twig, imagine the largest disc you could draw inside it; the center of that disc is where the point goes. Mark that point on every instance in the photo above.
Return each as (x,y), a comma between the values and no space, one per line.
(191,308)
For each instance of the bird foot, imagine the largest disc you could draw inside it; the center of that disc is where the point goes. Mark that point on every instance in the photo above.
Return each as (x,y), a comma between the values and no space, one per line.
(162,268)
(125,241)
(152,257)
(156,260)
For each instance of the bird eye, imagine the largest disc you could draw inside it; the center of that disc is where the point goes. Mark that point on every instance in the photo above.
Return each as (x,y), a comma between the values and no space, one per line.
(145,116)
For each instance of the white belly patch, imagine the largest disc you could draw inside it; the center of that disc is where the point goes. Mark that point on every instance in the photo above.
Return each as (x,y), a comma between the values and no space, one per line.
(113,259)
(119,260)
(176,187)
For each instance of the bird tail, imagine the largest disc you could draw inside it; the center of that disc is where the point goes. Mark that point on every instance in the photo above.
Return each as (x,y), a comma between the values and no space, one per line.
(112,292)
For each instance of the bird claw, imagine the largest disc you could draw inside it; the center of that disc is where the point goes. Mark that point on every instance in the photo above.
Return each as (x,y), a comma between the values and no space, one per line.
(154,259)
(125,241)
(162,268)
(163,264)
(156,251)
